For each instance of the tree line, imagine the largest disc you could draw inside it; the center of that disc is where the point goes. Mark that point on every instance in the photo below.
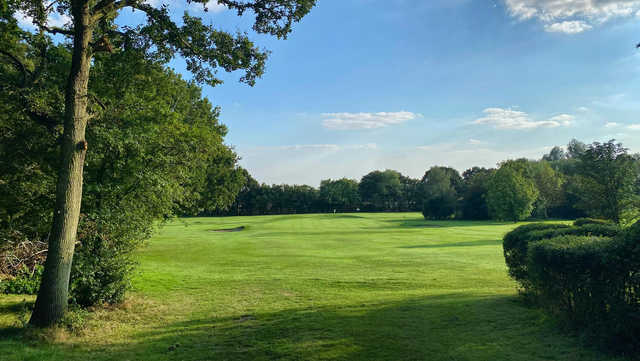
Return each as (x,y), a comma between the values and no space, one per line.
(597,180)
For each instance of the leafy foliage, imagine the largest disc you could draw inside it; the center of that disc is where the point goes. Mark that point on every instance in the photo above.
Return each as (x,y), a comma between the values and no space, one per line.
(585,221)
(511,195)
(156,152)
(587,275)
(380,190)
(441,187)
(591,283)
(474,196)
(608,182)
(25,281)
(515,245)
(341,194)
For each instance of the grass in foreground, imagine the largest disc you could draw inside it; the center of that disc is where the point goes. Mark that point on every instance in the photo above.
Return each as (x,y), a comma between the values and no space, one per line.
(312,287)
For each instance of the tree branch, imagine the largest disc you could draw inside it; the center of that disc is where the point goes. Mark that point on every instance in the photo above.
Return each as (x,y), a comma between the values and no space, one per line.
(18,65)
(56,30)
(105,6)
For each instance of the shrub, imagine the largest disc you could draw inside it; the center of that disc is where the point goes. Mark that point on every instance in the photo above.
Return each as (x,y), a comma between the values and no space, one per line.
(515,248)
(103,265)
(25,282)
(605,230)
(591,282)
(584,221)
(517,241)
(564,271)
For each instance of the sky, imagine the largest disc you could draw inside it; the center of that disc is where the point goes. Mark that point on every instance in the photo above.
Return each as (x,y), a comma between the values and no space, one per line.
(361,85)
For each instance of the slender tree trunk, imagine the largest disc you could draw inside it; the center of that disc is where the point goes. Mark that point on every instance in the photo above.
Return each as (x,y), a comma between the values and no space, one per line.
(52,300)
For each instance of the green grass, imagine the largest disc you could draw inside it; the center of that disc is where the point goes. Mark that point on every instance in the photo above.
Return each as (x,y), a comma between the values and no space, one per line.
(312,287)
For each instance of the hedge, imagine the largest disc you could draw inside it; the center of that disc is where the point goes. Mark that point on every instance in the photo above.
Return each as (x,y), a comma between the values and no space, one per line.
(592,283)
(515,248)
(516,242)
(583,221)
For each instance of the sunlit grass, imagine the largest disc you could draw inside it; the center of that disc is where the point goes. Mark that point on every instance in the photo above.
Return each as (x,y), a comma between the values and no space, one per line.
(357,286)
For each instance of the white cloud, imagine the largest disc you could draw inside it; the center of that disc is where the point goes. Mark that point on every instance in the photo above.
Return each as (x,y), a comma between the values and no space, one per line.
(477,142)
(583,109)
(211,6)
(634,126)
(611,125)
(571,16)
(568,27)
(501,118)
(351,121)
(55,19)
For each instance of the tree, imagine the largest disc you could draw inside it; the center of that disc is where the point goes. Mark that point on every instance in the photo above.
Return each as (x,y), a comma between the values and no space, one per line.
(93,30)
(341,194)
(608,182)
(556,154)
(474,194)
(441,187)
(510,195)
(410,194)
(379,190)
(152,154)
(549,184)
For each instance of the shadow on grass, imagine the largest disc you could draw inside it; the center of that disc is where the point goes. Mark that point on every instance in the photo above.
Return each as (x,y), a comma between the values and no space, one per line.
(445,327)
(488,242)
(423,223)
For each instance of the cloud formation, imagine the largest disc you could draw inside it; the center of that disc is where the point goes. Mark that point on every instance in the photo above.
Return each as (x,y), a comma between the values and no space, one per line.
(353,121)
(571,16)
(568,27)
(501,118)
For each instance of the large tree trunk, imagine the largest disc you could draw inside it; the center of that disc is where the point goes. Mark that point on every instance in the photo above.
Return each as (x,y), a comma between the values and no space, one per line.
(52,300)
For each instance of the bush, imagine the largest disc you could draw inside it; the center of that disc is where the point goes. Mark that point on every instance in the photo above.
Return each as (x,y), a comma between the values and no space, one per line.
(584,221)
(591,283)
(24,282)
(604,230)
(103,265)
(515,248)
(516,243)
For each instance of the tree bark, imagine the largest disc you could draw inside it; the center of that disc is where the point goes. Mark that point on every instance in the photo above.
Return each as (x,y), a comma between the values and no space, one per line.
(51,303)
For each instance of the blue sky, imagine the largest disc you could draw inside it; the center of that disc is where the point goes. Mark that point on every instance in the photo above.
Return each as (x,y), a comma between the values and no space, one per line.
(408,84)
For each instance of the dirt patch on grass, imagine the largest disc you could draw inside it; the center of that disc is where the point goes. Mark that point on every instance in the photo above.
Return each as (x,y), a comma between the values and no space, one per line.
(237,229)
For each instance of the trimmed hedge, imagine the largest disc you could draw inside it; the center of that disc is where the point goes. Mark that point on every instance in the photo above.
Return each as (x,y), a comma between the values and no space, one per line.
(515,248)
(590,229)
(583,221)
(592,283)
(516,242)
(587,276)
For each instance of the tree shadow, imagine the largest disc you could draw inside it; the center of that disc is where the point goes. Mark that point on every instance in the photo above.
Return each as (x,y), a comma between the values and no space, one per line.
(444,327)
(488,242)
(423,223)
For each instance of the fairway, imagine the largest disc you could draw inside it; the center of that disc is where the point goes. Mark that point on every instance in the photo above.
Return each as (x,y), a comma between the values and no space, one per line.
(310,287)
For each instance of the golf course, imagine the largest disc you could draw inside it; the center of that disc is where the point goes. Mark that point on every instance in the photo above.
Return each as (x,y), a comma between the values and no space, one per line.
(376,286)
